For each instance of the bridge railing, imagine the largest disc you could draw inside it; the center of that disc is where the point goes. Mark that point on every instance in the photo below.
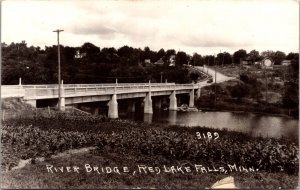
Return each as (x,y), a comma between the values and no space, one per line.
(32,93)
(12,91)
(51,91)
(92,85)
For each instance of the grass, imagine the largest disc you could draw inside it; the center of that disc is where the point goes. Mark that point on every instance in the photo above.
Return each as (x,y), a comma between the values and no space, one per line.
(37,176)
(113,153)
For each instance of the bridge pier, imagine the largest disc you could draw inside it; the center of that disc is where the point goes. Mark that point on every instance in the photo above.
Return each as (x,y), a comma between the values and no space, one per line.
(192,96)
(148,104)
(62,104)
(173,101)
(113,107)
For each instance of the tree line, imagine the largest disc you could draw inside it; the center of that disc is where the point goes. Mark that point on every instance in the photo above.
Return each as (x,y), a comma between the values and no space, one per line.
(92,64)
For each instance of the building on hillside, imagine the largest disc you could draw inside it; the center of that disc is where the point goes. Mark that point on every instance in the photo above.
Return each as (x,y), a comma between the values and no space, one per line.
(266,62)
(286,62)
(159,62)
(172,60)
(79,55)
(147,61)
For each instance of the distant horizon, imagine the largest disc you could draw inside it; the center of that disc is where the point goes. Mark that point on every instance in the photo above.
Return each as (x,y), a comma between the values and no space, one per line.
(204,27)
(142,48)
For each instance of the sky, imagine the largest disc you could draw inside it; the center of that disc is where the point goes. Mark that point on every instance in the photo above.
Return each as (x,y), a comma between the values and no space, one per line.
(202,26)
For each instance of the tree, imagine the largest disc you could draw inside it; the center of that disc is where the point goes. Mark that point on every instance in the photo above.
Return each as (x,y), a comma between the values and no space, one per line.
(294,67)
(290,98)
(279,56)
(239,55)
(292,56)
(181,58)
(147,52)
(220,59)
(160,54)
(194,76)
(209,60)
(254,55)
(170,52)
(239,91)
(90,49)
(227,58)
(197,60)
(223,58)
(268,53)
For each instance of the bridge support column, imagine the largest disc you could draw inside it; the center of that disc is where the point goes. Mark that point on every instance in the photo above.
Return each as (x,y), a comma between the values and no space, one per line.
(198,93)
(173,101)
(148,104)
(113,107)
(31,102)
(131,107)
(62,105)
(192,96)
(158,104)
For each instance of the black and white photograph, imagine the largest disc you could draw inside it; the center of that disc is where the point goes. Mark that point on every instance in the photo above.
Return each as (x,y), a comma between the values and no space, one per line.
(149,94)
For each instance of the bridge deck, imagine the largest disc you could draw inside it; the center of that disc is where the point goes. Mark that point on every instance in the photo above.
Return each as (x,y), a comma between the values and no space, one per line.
(80,90)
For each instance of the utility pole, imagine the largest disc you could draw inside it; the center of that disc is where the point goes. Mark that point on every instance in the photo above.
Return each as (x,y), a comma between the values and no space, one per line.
(215,81)
(223,59)
(59,79)
(161,77)
(265,69)
(207,64)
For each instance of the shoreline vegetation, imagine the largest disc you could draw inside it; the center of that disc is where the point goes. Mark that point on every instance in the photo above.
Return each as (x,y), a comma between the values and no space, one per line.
(128,143)
(225,101)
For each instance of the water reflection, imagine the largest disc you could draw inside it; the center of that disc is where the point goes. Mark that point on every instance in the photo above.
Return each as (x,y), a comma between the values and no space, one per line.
(254,124)
(148,118)
(172,117)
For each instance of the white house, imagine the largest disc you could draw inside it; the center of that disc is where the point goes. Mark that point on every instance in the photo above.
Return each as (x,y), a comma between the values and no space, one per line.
(286,62)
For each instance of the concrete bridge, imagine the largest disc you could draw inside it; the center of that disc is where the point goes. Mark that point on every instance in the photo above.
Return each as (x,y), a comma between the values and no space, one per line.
(81,93)
(72,94)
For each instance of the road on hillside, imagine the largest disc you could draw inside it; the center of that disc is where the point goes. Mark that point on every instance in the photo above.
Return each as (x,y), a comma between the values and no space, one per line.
(219,76)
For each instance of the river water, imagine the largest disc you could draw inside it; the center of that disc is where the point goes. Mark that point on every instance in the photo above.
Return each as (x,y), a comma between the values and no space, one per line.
(253,124)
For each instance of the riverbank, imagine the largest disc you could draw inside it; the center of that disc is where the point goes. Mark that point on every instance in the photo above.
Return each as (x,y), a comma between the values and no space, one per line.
(235,95)
(127,143)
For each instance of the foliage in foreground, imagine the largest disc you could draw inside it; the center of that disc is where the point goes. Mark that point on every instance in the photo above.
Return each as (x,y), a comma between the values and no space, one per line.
(44,136)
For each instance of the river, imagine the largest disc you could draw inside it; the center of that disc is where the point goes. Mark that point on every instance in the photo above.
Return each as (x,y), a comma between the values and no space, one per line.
(253,124)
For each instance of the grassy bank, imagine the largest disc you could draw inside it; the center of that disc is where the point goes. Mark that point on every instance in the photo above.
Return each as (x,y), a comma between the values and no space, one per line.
(37,176)
(121,142)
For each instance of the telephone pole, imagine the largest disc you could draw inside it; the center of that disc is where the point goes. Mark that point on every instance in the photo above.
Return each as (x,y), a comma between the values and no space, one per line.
(215,81)
(59,80)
